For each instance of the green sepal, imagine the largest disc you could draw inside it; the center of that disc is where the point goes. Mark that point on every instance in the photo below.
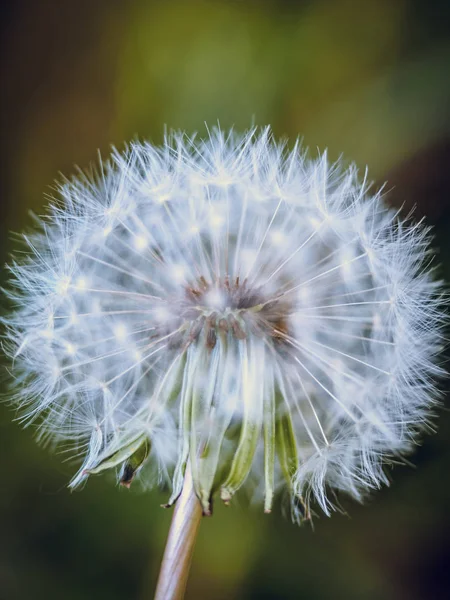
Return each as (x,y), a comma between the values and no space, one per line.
(208,462)
(248,440)
(132,465)
(122,454)
(205,448)
(286,443)
(269,449)
(184,428)
(243,459)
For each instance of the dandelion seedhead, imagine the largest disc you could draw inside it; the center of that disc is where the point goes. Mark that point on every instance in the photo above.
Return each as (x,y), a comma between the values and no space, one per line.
(233,304)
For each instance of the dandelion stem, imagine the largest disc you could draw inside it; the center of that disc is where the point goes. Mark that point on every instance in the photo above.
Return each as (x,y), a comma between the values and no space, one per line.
(180,543)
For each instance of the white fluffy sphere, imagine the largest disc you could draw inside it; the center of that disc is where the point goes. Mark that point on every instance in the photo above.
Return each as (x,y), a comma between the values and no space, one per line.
(234,304)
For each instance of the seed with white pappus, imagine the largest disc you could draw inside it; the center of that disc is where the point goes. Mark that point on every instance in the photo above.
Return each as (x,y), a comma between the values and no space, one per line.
(230,303)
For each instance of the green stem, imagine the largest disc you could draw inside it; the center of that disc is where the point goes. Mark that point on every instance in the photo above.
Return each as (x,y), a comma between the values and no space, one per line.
(177,558)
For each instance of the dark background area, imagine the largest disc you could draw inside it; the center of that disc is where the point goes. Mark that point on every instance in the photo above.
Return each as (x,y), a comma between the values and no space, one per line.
(367,79)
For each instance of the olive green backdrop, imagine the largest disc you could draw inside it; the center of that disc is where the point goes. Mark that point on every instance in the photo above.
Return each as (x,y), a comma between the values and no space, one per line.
(368,79)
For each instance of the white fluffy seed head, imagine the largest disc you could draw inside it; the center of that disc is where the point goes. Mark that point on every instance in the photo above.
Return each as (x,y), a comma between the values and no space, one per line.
(234,304)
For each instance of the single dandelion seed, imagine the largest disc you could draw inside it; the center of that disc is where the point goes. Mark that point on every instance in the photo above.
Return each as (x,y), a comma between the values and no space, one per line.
(217,313)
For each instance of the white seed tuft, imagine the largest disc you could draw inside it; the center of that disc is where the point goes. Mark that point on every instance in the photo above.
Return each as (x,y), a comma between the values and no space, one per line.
(231,303)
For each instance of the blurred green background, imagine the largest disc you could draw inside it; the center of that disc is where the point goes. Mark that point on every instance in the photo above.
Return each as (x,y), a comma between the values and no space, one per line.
(367,79)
